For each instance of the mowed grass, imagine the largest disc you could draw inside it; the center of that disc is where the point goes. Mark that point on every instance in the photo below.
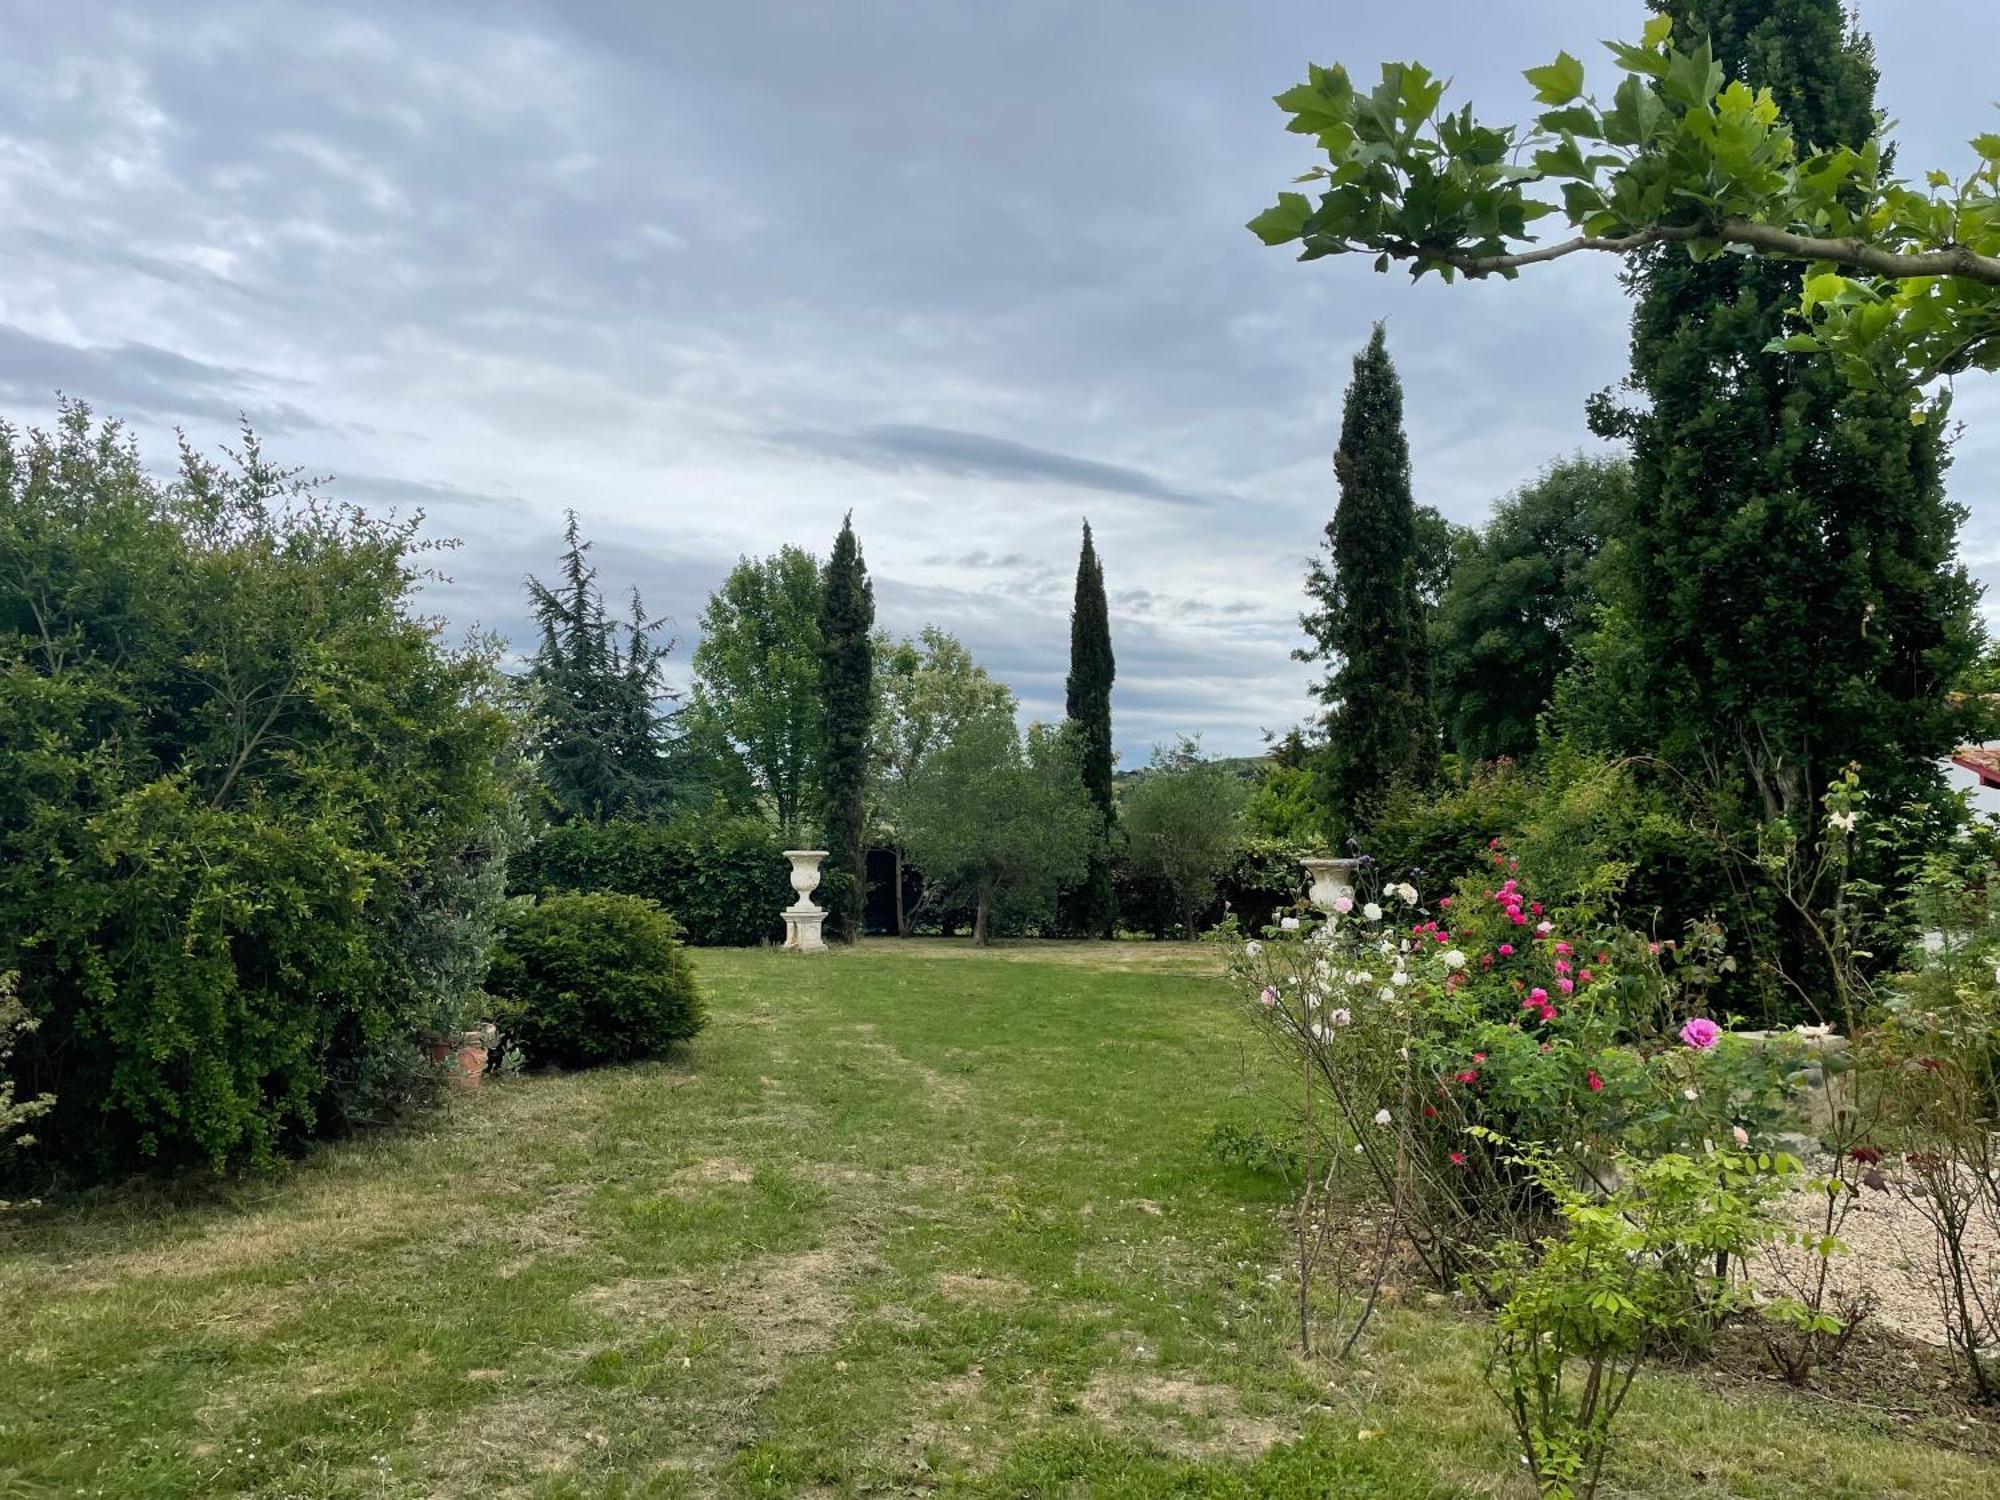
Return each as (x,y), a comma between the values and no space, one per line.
(906,1220)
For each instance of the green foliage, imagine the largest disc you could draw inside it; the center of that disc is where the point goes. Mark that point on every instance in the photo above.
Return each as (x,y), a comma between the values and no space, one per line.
(1629,1273)
(1000,820)
(1368,619)
(1183,823)
(600,737)
(1707,148)
(14,1112)
(1092,907)
(719,874)
(1282,803)
(928,688)
(1520,595)
(249,808)
(583,979)
(757,681)
(1769,494)
(847,694)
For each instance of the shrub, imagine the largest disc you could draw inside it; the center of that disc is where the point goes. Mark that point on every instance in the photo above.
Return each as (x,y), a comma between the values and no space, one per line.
(239,781)
(720,874)
(592,978)
(1628,1274)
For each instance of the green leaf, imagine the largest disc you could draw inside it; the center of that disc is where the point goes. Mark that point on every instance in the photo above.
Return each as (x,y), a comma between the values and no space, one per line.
(1657,31)
(1987,145)
(1285,220)
(1557,82)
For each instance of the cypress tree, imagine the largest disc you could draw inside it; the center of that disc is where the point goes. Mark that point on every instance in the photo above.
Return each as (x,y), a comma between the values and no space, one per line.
(847,621)
(1087,702)
(1369,619)
(1789,601)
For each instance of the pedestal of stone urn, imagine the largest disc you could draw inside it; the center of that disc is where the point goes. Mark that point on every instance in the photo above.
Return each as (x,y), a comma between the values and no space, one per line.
(803,920)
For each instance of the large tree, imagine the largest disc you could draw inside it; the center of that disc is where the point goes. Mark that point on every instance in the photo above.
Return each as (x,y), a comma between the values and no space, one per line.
(847,618)
(926,689)
(1368,619)
(1000,819)
(1087,700)
(1522,594)
(1791,599)
(595,689)
(757,681)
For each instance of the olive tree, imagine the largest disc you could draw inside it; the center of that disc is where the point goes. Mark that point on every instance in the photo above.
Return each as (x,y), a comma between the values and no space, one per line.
(1183,821)
(1000,819)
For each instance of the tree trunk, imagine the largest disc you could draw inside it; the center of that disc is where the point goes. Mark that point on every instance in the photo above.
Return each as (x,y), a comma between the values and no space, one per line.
(980,936)
(902,916)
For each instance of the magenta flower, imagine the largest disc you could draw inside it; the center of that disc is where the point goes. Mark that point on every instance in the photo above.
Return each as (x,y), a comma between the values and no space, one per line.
(1701,1033)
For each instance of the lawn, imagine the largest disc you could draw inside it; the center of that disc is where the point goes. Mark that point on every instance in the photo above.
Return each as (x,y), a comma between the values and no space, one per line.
(907,1219)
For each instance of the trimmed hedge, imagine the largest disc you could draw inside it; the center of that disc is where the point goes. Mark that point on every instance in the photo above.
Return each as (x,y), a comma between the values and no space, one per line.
(586,979)
(721,876)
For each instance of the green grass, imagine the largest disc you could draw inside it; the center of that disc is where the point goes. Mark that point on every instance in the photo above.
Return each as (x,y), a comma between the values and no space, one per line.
(906,1220)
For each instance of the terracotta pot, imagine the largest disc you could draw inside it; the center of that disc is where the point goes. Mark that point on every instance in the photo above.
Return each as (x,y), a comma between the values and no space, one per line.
(467,1051)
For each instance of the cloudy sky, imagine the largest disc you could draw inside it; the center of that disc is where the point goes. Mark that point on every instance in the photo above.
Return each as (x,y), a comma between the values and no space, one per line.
(714,273)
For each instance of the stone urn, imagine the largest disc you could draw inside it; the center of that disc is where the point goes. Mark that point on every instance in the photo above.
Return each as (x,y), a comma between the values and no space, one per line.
(803,920)
(1331,880)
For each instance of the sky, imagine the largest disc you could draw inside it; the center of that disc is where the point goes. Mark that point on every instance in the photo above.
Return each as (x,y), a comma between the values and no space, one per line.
(714,275)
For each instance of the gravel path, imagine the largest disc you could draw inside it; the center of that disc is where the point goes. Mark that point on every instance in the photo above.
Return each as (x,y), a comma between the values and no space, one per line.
(1891,1254)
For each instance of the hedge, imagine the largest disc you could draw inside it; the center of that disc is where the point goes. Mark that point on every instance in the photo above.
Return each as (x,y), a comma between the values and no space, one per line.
(721,876)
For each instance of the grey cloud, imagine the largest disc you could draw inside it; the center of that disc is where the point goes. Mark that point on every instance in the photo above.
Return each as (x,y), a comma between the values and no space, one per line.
(976,455)
(134,378)
(598,252)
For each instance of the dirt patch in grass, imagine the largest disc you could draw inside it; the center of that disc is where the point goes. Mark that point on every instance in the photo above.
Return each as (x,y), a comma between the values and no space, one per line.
(783,1306)
(977,1286)
(1189,1418)
(944,1092)
(720,1171)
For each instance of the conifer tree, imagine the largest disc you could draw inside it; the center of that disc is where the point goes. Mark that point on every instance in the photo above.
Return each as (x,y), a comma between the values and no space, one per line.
(1093,905)
(1790,599)
(847,620)
(596,692)
(1369,618)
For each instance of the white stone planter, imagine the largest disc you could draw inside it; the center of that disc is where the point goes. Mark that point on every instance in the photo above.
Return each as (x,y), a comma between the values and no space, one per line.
(803,920)
(1331,879)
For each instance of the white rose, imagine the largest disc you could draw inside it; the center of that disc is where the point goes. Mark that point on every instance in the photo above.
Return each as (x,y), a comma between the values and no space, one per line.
(1399,978)
(1252,949)
(1340,1018)
(1372,912)
(1381,1117)
(1408,892)
(1453,959)
(1385,993)
(1290,924)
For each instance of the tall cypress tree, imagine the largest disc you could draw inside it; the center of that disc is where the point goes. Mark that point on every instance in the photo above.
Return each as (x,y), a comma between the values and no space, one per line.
(1369,619)
(1790,599)
(1093,906)
(847,620)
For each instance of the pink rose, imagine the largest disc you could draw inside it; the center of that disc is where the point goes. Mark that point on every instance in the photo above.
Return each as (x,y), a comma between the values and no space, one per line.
(1700,1033)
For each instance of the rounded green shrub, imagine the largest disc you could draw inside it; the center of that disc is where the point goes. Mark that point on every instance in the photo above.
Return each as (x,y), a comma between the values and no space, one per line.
(592,978)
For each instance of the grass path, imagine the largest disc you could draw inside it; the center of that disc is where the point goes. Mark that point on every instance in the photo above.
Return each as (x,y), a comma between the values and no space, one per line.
(906,1221)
